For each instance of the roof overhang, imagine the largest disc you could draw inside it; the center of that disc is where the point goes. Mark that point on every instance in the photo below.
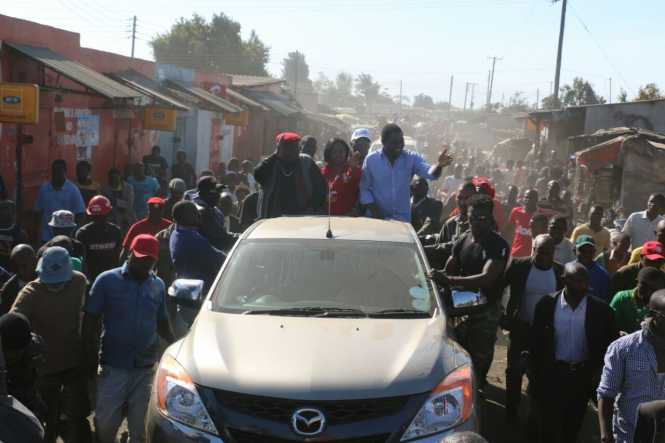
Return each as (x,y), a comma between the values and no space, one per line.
(148,87)
(78,73)
(207,99)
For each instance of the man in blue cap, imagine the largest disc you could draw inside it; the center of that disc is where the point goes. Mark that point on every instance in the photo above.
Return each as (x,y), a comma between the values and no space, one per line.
(52,303)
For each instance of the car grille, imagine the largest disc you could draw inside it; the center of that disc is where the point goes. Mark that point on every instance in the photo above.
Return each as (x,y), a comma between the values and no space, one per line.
(336,412)
(248,437)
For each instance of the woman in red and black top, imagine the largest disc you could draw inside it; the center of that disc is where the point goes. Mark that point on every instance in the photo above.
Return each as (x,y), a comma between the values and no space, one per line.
(342,173)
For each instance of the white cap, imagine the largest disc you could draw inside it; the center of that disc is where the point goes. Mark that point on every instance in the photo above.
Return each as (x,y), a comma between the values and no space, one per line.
(361,133)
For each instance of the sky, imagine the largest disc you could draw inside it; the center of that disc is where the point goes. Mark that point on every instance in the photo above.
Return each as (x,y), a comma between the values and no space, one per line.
(420,43)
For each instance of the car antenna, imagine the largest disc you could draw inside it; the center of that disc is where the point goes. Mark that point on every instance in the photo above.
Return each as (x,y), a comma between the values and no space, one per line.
(329,234)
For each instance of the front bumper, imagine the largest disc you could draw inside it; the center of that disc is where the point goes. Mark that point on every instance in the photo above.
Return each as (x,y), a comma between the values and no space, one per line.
(164,430)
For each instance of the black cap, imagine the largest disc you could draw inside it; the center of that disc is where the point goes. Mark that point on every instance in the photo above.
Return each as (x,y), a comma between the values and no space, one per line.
(207,184)
(15,331)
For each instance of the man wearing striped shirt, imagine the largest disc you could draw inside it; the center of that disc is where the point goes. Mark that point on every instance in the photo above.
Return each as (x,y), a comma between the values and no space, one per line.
(634,373)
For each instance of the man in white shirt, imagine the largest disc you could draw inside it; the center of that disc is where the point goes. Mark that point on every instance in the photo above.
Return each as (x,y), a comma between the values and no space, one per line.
(569,337)
(641,225)
(564,251)
(530,279)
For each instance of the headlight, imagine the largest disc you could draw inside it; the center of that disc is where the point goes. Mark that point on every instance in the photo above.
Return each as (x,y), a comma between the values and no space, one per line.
(450,404)
(177,397)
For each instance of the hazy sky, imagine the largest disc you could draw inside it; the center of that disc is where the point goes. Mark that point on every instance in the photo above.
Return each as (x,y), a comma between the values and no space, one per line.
(421,42)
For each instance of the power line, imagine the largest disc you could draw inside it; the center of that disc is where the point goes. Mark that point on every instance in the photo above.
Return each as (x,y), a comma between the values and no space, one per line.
(600,48)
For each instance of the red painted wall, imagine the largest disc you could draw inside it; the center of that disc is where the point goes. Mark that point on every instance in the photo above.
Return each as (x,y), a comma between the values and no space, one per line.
(115,132)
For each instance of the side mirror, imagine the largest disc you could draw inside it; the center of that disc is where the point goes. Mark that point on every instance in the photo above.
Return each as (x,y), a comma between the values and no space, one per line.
(465,302)
(187,292)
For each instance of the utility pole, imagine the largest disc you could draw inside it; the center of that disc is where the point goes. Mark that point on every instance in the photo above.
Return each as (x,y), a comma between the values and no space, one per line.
(610,90)
(133,35)
(557,75)
(466,94)
(487,95)
(537,99)
(400,98)
(491,86)
(450,96)
(473,95)
(295,85)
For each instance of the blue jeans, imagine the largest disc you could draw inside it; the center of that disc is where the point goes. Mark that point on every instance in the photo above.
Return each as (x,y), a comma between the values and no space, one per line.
(115,388)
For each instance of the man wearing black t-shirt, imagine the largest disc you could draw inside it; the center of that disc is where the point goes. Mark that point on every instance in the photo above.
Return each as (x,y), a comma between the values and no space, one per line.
(477,263)
(102,240)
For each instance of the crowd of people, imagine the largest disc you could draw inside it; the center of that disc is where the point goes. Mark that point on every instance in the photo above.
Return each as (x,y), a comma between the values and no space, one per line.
(84,315)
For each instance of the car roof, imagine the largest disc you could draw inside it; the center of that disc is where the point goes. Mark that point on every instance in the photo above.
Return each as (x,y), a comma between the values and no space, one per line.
(343,228)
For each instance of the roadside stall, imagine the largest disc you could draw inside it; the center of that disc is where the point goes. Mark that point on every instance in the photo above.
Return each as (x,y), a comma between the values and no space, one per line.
(620,173)
(511,149)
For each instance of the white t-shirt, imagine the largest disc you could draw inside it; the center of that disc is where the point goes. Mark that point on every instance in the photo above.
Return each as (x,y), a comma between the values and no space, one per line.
(564,252)
(539,284)
(640,228)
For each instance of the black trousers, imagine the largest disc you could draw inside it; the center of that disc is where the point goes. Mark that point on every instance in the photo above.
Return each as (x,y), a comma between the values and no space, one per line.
(65,392)
(515,367)
(563,402)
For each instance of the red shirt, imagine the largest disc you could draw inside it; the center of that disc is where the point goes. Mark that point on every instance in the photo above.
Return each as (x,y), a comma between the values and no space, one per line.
(522,238)
(144,227)
(344,189)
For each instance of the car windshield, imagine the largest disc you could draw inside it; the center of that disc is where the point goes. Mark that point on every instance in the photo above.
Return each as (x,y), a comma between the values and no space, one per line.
(358,277)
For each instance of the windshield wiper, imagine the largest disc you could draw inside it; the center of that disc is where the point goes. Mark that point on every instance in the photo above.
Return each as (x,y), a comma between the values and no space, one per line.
(313,311)
(399,313)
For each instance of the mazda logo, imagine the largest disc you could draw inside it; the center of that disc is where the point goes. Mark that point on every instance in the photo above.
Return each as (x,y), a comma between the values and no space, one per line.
(308,422)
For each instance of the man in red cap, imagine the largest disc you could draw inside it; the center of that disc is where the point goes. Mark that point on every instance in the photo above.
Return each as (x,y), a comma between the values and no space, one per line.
(152,224)
(652,255)
(130,303)
(291,182)
(101,239)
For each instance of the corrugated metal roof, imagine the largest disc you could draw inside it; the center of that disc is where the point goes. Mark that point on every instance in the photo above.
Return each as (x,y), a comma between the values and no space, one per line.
(77,72)
(245,100)
(203,98)
(226,105)
(273,101)
(252,80)
(147,86)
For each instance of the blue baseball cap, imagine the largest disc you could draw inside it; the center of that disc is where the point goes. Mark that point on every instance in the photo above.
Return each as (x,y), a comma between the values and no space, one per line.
(55,266)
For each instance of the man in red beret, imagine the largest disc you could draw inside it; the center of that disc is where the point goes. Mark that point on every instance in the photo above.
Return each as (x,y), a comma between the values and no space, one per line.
(292,184)
(151,225)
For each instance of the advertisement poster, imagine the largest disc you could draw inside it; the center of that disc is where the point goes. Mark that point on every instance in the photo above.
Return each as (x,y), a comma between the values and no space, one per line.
(81,127)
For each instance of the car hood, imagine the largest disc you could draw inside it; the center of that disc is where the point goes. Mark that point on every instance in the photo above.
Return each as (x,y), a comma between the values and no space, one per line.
(318,358)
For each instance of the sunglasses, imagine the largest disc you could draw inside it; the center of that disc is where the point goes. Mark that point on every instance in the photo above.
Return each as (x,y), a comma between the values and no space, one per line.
(479,218)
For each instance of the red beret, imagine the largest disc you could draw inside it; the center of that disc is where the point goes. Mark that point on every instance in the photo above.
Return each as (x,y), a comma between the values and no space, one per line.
(287,137)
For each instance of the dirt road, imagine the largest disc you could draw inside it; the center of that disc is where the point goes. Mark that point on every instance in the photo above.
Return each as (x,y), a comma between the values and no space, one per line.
(494,426)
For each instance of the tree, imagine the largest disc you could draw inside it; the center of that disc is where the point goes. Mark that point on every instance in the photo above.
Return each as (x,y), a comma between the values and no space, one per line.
(295,71)
(211,46)
(623,96)
(423,101)
(344,84)
(580,93)
(650,91)
(336,93)
(550,102)
(367,88)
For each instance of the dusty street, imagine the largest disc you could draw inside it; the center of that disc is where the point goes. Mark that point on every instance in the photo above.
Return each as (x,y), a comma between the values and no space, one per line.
(494,427)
